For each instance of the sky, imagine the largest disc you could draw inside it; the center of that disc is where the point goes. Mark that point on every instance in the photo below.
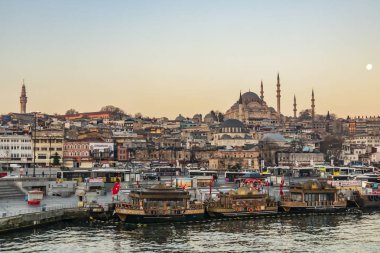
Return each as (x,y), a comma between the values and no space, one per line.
(164,58)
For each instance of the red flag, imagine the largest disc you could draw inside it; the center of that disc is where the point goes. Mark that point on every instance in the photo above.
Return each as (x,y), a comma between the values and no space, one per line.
(210,187)
(282,185)
(116,188)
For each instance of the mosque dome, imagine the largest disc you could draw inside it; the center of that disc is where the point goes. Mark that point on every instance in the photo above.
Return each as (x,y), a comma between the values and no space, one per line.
(209,118)
(180,118)
(250,97)
(232,123)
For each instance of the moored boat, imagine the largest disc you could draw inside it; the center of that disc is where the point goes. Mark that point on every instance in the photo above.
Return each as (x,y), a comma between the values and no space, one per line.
(158,204)
(313,196)
(242,202)
(369,198)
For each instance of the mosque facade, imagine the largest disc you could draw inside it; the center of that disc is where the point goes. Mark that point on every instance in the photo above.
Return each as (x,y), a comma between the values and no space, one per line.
(253,110)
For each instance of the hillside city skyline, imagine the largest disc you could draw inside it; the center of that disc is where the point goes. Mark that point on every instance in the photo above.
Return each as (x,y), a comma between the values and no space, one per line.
(24,109)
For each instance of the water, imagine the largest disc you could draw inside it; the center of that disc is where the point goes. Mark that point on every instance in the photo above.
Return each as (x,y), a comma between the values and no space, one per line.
(338,233)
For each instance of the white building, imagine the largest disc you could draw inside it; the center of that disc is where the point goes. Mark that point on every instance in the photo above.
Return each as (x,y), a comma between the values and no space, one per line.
(367,140)
(15,148)
(233,133)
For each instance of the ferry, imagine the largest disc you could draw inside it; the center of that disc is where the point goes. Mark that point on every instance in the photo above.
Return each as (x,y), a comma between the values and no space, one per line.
(369,198)
(242,202)
(313,196)
(159,204)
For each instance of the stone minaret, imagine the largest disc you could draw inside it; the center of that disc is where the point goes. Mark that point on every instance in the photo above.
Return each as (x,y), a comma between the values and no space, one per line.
(278,94)
(312,106)
(262,92)
(241,113)
(23,98)
(295,107)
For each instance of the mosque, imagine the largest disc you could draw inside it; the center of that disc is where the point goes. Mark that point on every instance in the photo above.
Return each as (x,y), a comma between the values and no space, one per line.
(252,110)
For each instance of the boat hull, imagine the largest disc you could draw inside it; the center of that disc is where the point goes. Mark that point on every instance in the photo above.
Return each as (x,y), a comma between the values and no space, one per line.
(369,201)
(230,213)
(312,209)
(145,219)
(139,216)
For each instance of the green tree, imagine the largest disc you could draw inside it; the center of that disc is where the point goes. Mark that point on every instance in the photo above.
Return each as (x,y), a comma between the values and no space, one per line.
(138,115)
(56,159)
(71,111)
(305,115)
(113,109)
(220,117)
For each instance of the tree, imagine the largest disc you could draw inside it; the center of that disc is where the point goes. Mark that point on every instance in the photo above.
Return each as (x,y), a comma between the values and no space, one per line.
(56,158)
(332,147)
(138,115)
(305,115)
(113,109)
(220,117)
(71,111)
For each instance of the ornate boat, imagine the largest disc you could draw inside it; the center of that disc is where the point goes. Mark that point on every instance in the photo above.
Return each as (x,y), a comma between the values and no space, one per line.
(242,202)
(158,204)
(313,196)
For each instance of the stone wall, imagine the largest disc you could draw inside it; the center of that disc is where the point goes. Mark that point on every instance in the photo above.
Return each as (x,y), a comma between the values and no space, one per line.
(34,219)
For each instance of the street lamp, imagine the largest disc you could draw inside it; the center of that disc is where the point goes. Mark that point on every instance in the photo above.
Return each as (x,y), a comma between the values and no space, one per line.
(34,146)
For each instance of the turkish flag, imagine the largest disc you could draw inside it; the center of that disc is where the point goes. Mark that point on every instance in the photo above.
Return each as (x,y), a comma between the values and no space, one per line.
(282,185)
(116,188)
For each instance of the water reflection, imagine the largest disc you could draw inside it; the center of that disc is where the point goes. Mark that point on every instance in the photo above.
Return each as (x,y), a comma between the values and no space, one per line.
(338,233)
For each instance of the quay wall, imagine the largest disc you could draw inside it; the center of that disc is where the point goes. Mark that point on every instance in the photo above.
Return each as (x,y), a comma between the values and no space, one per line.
(30,220)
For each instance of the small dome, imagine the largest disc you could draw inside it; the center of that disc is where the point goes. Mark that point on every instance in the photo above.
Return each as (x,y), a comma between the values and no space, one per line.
(243,191)
(225,137)
(312,185)
(180,118)
(232,123)
(210,118)
(273,137)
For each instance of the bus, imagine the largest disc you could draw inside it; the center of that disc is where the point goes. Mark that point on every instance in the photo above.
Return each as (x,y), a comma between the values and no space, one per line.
(212,173)
(230,176)
(108,175)
(167,171)
(276,171)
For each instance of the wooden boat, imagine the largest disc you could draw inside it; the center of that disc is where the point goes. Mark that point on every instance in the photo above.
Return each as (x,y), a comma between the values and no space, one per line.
(313,196)
(242,202)
(369,198)
(158,204)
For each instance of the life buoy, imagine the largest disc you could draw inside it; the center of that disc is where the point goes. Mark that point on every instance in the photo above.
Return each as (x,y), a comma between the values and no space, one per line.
(250,210)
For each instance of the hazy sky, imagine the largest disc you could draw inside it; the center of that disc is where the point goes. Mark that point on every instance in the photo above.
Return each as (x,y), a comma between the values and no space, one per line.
(162,58)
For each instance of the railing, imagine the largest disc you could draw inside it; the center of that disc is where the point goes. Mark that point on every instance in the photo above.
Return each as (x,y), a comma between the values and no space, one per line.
(18,179)
(42,208)
(320,203)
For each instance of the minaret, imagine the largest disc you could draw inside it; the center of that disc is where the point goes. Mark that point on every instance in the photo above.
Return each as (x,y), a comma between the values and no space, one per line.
(241,113)
(262,91)
(23,98)
(278,94)
(312,106)
(295,107)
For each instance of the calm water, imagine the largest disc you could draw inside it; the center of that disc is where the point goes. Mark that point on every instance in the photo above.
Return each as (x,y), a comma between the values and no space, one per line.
(341,233)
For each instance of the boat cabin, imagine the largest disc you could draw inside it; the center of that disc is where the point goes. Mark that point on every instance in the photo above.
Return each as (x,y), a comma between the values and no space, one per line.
(313,194)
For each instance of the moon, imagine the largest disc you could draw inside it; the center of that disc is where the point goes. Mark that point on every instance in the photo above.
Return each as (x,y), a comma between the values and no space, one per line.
(369,66)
